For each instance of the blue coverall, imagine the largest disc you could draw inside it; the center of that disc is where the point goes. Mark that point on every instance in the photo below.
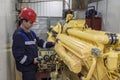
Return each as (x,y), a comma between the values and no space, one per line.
(25,49)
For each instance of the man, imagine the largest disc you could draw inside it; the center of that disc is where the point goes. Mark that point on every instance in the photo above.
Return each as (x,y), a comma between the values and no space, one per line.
(25,45)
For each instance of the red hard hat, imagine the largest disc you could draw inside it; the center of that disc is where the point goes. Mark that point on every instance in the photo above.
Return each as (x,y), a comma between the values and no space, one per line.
(29,14)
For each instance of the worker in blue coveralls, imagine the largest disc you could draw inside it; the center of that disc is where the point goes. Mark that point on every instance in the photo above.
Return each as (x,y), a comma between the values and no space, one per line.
(25,45)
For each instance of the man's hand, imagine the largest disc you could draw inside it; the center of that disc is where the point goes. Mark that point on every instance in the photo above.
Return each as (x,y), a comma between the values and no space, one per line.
(56,41)
(37,60)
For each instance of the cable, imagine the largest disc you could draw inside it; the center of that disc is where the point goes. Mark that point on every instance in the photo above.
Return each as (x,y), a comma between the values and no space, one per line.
(39,1)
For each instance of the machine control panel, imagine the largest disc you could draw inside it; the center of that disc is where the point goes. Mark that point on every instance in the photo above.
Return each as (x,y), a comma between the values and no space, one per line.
(48,59)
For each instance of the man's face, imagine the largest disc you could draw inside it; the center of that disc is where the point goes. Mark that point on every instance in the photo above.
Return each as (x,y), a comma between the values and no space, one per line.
(27,24)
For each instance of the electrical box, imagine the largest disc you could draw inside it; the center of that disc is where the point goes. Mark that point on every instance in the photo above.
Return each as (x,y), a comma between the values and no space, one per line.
(94,22)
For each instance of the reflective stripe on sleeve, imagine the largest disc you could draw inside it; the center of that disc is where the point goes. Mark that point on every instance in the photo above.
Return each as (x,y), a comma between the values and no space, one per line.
(30,42)
(23,59)
(44,44)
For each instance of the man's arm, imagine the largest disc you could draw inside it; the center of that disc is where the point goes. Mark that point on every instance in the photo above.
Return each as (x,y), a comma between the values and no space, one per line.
(44,44)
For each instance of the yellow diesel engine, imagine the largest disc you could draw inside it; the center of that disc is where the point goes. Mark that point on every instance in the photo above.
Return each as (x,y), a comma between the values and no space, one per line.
(88,54)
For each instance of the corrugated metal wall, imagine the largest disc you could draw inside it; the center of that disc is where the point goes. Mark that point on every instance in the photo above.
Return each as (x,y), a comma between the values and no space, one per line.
(46,8)
(53,9)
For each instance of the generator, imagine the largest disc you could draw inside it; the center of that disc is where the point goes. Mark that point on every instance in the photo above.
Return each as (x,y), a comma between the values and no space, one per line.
(83,53)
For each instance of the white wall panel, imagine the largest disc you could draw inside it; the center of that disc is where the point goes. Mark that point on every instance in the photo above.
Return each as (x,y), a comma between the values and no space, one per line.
(110,14)
(113,15)
(7,17)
